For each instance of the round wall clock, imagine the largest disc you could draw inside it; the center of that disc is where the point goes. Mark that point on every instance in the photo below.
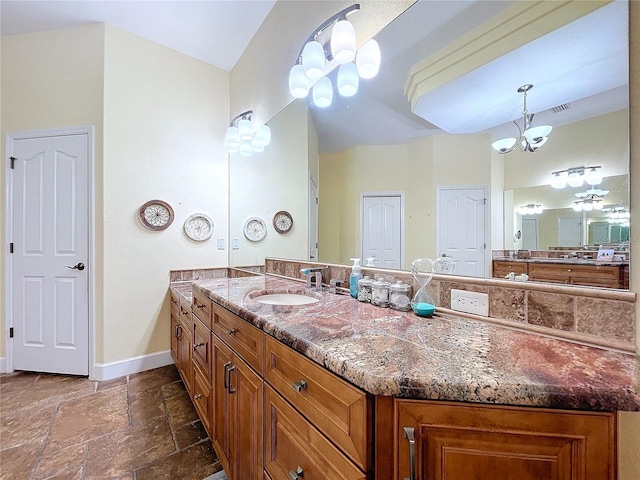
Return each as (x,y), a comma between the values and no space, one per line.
(282,221)
(254,229)
(156,215)
(198,227)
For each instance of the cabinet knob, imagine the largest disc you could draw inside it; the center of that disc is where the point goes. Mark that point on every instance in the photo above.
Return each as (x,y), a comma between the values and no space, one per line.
(298,473)
(299,386)
(197,396)
(568,269)
(232,331)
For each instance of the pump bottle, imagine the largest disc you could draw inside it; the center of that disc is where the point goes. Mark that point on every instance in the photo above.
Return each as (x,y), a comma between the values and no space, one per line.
(356,274)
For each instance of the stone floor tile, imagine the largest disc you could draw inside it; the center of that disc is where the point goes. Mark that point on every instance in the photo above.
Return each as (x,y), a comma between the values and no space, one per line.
(190,434)
(65,463)
(18,379)
(146,405)
(171,389)
(25,425)
(152,379)
(194,463)
(17,463)
(181,410)
(116,382)
(118,453)
(46,392)
(84,419)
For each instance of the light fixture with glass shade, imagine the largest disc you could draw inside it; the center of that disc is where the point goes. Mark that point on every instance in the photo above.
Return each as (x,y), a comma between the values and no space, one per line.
(243,138)
(529,138)
(590,199)
(576,177)
(331,46)
(530,209)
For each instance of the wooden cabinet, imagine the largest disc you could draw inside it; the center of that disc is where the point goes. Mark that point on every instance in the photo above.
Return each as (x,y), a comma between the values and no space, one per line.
(202,398)
(184,347)
(202,308)
(237,418)
(241,336)
(502,268)
(294,448)
(608,276)
(462,442)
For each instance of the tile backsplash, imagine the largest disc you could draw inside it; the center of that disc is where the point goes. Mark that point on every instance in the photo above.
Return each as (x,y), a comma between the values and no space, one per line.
(594,316)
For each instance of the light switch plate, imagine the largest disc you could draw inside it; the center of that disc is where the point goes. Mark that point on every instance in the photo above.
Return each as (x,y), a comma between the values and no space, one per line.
(235,244)
(221,243)
(470,302)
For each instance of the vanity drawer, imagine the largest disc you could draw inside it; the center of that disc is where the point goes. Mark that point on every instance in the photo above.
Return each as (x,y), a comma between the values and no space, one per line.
(202,347)
(202,308)
(335,407)
(185,315)
(174,299)
(501,269)
(240,335)
(293,445)
(202,398)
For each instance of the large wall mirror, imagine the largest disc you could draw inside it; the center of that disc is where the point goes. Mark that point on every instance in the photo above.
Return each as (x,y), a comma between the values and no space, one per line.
(371,151)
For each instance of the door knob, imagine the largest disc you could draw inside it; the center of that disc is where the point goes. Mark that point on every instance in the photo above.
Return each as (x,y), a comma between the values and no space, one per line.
(79,266)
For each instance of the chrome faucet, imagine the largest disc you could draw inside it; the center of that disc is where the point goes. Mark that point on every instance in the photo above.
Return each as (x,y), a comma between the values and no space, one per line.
(314,277)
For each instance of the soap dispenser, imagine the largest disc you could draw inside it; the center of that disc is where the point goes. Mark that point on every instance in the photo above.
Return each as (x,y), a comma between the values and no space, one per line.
(356,274)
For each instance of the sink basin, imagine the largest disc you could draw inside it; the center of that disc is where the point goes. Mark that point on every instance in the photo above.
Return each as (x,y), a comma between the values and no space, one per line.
(285,299)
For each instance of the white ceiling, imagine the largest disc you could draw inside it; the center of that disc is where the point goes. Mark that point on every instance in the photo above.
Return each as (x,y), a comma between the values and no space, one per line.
(214,31)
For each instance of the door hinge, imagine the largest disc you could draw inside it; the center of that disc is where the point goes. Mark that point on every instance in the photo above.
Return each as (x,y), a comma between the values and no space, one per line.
(11,247)
(485,201)
(13,162)
(10,332)
(316,200)
(485,246)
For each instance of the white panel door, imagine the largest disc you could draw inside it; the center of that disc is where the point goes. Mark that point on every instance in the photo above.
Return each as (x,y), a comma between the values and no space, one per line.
(569,232)
(461,228)
(382,230)
(50,236)
(530,233)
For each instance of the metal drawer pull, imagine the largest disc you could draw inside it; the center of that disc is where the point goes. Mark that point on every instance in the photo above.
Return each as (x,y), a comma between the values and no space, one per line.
(232,331)
(197,396)
(196,345)
(224,374)
(200,306)
(298,387)
(299,473)
(178,330)
(231,390)
(409,435)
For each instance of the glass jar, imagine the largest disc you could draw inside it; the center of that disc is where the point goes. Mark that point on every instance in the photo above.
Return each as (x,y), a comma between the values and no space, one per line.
(364,289)
(400,296)
(380,293)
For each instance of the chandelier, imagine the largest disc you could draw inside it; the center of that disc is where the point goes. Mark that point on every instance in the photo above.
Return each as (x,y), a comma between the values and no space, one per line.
(243,137)
(529,138)
(333,44)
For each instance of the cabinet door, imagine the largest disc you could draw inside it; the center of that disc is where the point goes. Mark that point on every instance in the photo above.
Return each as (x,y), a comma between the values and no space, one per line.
(202,346)
(221,418)
(245,390)
(467,442)
(202,398)
(175,336)
(185,347)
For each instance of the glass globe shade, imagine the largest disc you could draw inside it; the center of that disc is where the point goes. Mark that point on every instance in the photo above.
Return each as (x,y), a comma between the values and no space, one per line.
(348,80)
(343,42)
(504,145)
(245,129)
(298,82)
(559,180)
(597,205)
(577,207)
(323,93)
(232,137)
(313,60)
(587,206)
(368,59)
(535,134)
(245,148)
(263,135)
(593,177)
(574,179)
(257,146)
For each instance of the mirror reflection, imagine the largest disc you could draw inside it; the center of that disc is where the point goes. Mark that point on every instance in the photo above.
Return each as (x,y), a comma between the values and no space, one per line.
(390,184)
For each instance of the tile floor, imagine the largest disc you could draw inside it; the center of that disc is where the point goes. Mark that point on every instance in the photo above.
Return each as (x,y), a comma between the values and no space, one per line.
(138,427)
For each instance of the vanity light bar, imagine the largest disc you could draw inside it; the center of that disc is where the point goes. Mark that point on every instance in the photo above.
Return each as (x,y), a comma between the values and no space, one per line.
(241,137)
(576,176)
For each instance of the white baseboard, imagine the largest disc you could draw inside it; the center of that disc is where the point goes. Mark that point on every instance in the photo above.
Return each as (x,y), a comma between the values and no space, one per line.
(107,371)
(3,365)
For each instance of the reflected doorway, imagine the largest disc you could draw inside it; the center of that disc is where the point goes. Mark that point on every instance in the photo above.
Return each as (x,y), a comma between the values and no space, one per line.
(530,233)
(382,228)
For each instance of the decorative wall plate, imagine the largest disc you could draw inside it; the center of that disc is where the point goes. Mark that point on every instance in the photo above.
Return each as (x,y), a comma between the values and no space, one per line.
(156,215)
(198,227)
(282,221)
(254,229)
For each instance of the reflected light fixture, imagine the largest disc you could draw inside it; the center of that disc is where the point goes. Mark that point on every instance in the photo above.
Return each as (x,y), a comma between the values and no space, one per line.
(529,138)
(530,209)
(332,45)
(618,215)
(576,177)
(241,136)
(589,200)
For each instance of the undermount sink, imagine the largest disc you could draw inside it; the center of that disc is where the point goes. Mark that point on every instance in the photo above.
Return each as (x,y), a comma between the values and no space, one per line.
(285,299)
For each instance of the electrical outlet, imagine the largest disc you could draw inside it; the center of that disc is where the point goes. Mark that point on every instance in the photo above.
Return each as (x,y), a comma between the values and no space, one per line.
(470,302)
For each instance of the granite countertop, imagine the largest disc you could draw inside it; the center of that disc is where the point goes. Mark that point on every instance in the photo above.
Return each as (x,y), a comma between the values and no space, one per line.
(564,261)
(445,357)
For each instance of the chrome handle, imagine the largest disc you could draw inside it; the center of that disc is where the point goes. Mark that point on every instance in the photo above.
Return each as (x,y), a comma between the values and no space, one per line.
(196,345)
(231,390)
(299,473)
(77,266)
(224,374)
(409,435)
(200,306)
(178,330)
(299,386)
(232,331)
(197,396)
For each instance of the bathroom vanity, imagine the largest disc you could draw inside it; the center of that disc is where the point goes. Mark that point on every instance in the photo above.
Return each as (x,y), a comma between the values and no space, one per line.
(340,389)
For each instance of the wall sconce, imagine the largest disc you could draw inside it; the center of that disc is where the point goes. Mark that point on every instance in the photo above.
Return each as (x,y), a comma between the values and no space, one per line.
(332,44)
(530,209)
(576,176)
(619,216)
(241,136)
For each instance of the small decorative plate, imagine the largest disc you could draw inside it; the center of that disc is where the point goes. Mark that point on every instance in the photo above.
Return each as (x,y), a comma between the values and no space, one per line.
(198,227)
(282,221)
(254,229)
(156,215)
